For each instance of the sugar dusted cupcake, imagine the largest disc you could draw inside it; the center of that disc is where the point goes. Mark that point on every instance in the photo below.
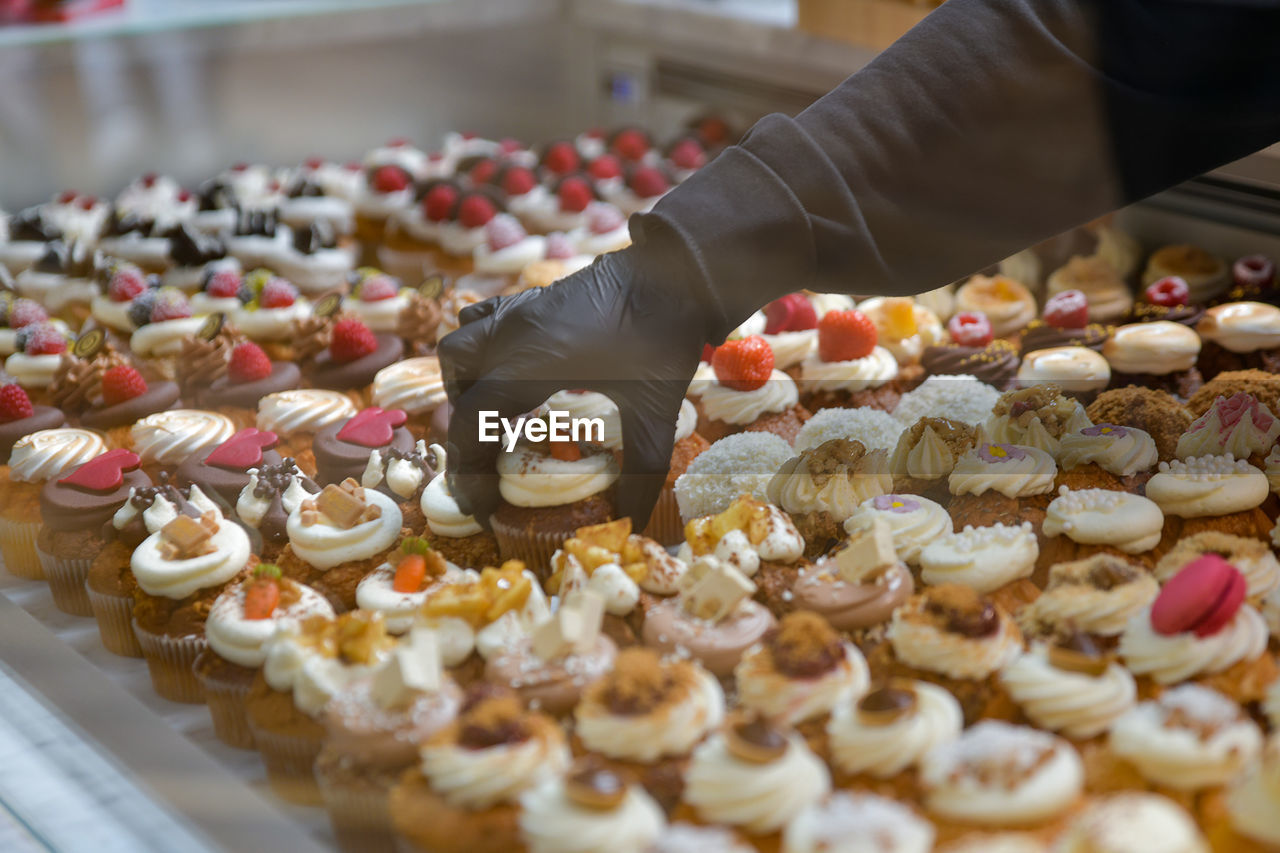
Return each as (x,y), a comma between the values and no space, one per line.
(755,777)
(878,737)
(1097,596)
(747,394)
(646,716)
(163,322)
(1001,776)
(1155,412)
(338,537)
(296,416)
(465,795)
(181,569)
(913,521)
(823,486)
(996,481)
(800,671)
(1211,493)
(849,368)
(1240,425)
(1078,524)
(1160,355)
(241,620)
(454,533)
(1106,456)
(997,561)
(1007,304)
(587,810)
(398,588)
(849,820)
(507,249)
(1071,686)
(1035,417)
(1200,627)
(926,454)
(1253,558)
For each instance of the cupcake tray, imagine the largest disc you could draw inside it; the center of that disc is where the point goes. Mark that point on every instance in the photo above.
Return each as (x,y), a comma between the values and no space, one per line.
(94,760)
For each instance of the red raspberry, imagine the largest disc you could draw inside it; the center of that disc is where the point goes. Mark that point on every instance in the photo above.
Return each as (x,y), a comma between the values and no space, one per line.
(125,284)
(1170,291)
(483,172)
(224,284)
(649,182)
(352,339)
(559,247)
(390,179)
(184,195)
(561,158)
(502,231)
(149,179)
(397,142)
(713,130)
(120,383)
(44,339)
(603,218)
(970,329)
(518,181)
(688,154)
(277,293)
(792,313)
(574,194)
(743,365)
(476,211)
(631,144)
(67,196)
(170,305)
(87,202)
(376,288)
(1067,310)
(605,167)
(510,146)
(248,363)
(1254,271)
(314,163)
(845,336)
(24,312)
(439,202)
(14,404)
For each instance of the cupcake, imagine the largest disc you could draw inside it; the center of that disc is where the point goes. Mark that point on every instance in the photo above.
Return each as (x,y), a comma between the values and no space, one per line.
(18,417)
(17,314)
(1070,686)
(603,229)
(823,486)
(338,537)
(1160,356)
(124,398)
(181,569)
(563,207)
(992,361)
(1251,802)
(684,837)
(1007,304)
(373,729)
(1078,371)
(997,481)
(296,416)
(548,495)
(906,329)
(1199,627)
(271,313)
(1258,384)
(1241,426)
(1239,336)
(258,237)
(343,449)
(194,257)
(873,428)
(799,672)
(849,368)
(467,228)
(250,375)
(1107,297)
(589,810)
(35,459)
(644,186)
(73,511)
(849,819)
(506,250)
(387,187)
(222,472)
(1035,417)
(353,357)
(876,739)
(926,454)
(27,233)
(1168,299)
(398,588)
(952,636)
(307,663)
(314,259)
(712,620)
(240,621)
(1211,493)
(1065,322)
(729,468)
(957,398)
(1206,275)
(35,361)
(746,394)
(995,561)
(1106,456)
(755,777)
(645,717)
(1080,523)
(913,522)
(411,241)
(402,475)
(165,439)
(1000,776)
(1253,558)
(63,281)
(1155,412)
(271,494)
(1134,820)
(1097,596)
(465,795)
(320,191)
(458,536)
(163,320)
(791,331)
(376,299)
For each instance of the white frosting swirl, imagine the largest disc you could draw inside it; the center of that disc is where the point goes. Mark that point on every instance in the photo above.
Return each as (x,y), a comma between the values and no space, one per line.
(176,579)
(914,522)
(928,459)
(739,408)
(1008,429)
(923,646)
(1159,348)
(376,591)
(760,798)
(243,641)
(50,453)
(167,438)
(1130,822)
(1091,609)
(848,822)
(250,508)
(380,315)
(303,410)
(1252,803)
(859,374)
(886,750)
(1207,486)
(1175,658)
(1129,522)
(32,371)
(983,558)
(791,348)
(270,324)
(444,518)
(589,404)
(1015,471)
(476,779)
(796,490)
(1241,326)
(164,338)
(791,701)
(1079,705)
(1075,367)
(530,479)
(323,546)
(552,823)
(1122,451)
(673,731)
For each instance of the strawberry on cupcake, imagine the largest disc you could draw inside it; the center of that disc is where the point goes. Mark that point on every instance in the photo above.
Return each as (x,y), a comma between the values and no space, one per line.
(604,230)
(644,186)
(469,227)
(791,331)
(387,187)
(849,368)
(747,393)
(250,375)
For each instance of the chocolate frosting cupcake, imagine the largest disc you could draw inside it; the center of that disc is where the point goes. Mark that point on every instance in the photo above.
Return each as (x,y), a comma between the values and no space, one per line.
(222,471)
(41,417)
(87,497)
(342,449)
(224,391)
(158,397)
(1040,335)
(995,364)
(327,373)
(1146,312)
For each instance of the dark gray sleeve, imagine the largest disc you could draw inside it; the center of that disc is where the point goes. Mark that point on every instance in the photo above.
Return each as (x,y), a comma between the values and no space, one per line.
(990,126)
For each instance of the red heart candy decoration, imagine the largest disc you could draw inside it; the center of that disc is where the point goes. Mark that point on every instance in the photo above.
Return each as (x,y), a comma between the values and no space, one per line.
(103,473)
(1202,597)
(372,427)
(243,450)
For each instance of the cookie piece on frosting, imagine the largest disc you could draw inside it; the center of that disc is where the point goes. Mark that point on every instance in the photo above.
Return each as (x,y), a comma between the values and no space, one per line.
(1070,685)
(892,727)
(1035,417)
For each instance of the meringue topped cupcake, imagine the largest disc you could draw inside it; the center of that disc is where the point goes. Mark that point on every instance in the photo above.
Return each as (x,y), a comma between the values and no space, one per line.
(1078,371)
(1160,355)
(165,439)
(1239,336)
(1007,304)
(1083,522)
(296,416)
(589,809)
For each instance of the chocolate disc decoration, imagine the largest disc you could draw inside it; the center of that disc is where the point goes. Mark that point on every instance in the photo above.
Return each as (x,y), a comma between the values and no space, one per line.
(433,287)
(89,344)
(212,326)
(328,305)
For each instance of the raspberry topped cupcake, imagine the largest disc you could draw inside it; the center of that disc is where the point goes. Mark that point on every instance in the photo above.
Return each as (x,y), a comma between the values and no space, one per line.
(747,394)
(973,351)
(849,368)
(250,375)
(1065,322)
(1167,299)
(507,249)
(354,356)
(19,417)
(124,397)
(603,230)
(1106,296)
(1205,274)
(163,319)
(564,208)
(38,355)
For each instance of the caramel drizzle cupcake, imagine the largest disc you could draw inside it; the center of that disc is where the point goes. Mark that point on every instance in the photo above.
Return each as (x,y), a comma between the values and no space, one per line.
(1035,417)
(892,728)
(485,611)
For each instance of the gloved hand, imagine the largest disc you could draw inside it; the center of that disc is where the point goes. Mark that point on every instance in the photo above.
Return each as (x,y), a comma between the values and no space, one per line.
(625,327)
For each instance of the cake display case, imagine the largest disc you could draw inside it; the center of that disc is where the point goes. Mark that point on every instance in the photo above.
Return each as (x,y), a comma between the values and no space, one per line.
(992,566)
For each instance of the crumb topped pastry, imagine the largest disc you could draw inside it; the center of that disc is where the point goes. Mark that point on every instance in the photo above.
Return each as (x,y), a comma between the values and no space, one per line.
(1258,384)
(1097,595)
(1035,417)
(823,486)
(1155,412)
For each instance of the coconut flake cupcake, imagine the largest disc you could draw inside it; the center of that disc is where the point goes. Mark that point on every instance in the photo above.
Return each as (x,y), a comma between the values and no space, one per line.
(729,468)
(926,454)
(823,486)
(997,561)
(875,429)
(1211,493)
(1106,456)
(1081,523)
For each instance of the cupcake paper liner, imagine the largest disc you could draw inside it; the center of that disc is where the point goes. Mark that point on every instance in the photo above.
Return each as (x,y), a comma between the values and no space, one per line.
(359,814)
(18,547)
(115,623)
(534,549)
(169,660)
(66,579)
(226,701)
(665,526)
(289,760)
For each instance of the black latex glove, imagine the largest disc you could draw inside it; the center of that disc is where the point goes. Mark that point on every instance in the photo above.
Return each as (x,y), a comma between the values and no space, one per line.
(624,327)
